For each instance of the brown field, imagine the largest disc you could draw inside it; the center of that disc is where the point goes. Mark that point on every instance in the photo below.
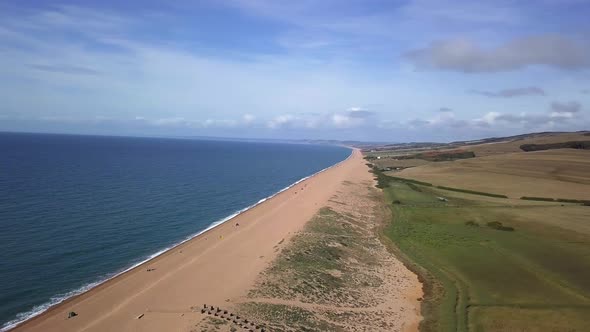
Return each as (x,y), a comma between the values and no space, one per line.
(500,146)
(489,149)
(562,173)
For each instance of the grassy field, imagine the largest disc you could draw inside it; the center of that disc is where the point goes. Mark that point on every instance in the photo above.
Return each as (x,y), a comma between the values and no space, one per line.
(404,163)
(481,277)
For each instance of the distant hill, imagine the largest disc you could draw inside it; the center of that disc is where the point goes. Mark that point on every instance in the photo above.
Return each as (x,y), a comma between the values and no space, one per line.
(482,147)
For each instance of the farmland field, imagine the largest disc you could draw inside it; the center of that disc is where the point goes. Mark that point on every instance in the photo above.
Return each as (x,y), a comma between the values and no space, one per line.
(488,149)
(493,264)
(563,173)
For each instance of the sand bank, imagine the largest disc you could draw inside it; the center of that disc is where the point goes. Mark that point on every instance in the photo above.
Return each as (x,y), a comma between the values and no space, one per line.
(336,274)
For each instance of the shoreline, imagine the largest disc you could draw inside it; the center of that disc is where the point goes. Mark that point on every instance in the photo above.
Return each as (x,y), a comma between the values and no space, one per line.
(95,287)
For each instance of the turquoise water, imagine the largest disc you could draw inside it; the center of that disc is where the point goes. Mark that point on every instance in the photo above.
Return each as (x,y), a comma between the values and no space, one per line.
(76,210)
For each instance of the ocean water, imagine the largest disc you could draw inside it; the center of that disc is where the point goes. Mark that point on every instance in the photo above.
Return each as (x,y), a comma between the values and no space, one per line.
(76,210)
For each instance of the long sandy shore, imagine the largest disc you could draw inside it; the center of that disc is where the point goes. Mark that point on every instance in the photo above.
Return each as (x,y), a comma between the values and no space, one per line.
(213,268)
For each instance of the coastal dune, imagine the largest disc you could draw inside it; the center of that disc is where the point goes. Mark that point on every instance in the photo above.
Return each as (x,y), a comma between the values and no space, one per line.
(216,268)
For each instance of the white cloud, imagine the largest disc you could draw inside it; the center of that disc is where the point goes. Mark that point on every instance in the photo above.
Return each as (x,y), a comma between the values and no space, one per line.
(248,119)
(88,65)
(528,120)
(280,121)
(173,122)
(345,121)
(355,109)
(165,83)
(353,117)
(447,121)
(510,93)
(214,123)
(170,121)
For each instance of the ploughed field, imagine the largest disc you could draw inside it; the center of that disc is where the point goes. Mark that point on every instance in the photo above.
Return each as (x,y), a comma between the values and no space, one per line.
(493,264)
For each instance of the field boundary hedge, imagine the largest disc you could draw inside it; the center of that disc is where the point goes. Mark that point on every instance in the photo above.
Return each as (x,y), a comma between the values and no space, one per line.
(561,200)
(467,191)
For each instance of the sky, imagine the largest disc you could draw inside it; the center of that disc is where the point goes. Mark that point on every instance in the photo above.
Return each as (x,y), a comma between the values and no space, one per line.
(371,70)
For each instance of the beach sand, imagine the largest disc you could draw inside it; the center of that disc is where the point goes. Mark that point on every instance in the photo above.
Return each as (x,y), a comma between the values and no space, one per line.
(218,267)
(337,274)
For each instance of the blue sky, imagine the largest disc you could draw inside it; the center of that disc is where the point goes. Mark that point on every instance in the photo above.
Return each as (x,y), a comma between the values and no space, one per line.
(411,70)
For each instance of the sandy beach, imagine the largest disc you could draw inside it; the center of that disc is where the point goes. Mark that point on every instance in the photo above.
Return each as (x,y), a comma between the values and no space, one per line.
(217,268)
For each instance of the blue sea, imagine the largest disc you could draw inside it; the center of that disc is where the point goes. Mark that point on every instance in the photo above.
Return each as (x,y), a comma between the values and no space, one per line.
(77,210)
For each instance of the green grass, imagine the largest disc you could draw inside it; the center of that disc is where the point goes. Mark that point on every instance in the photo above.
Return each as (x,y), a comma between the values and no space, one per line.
(303,270)
(483,279)
(290,318)
(330,265)
(383,180)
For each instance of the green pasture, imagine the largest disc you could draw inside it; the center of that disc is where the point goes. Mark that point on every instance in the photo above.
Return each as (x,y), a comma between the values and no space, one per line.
(491,266)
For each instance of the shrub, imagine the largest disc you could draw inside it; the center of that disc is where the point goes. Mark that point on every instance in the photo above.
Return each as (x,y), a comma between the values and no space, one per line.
(583,145)
(472,192)
(562,200)
(445,156)
(411,181)
(382,179)
(413,187)
(498,226)
(567,200)
(544,199)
